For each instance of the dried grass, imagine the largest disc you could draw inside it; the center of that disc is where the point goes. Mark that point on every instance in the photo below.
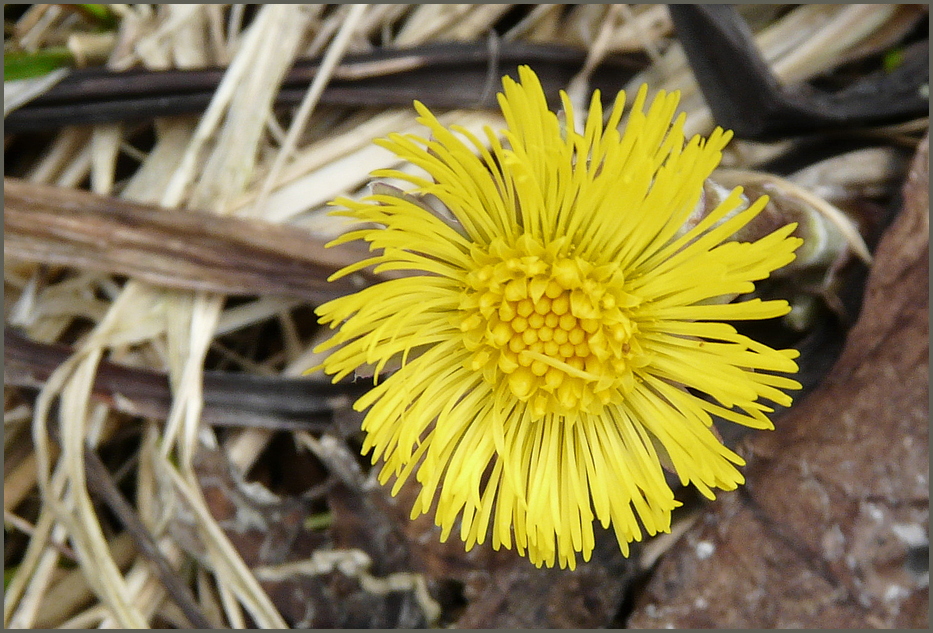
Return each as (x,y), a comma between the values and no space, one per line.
(239,159)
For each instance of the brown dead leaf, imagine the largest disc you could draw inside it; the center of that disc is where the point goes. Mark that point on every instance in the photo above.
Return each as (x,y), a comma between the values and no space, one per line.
(831,530)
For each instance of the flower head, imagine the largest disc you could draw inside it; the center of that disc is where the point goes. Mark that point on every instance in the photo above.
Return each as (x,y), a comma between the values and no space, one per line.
(560,335)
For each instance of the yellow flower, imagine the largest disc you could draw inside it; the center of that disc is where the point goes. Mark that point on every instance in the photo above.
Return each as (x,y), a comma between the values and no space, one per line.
(554,328)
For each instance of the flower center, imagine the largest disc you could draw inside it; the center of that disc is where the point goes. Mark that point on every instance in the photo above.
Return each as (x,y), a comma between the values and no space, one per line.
(557,326)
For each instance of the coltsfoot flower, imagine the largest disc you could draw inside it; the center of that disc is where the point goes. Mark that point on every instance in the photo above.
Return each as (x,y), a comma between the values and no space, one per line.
(560,335)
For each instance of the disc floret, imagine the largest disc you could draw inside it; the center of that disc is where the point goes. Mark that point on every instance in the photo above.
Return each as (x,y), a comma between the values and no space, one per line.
(557,327)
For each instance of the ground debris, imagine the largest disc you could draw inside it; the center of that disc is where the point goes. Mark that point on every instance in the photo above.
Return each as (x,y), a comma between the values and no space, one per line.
(831,529)
(313,576)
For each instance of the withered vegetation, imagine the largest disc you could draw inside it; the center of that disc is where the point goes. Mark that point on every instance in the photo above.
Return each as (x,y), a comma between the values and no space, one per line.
(167,464)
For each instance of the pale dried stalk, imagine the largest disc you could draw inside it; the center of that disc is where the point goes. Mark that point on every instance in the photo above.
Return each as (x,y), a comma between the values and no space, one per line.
(160,40)
(241,580)
(77,170)
(320,154)
(234,28)
(238,317)
(863,173)
(12,421)
(189,42)
(782,36)
(16,522)
(91,618)
(476,24)
(642,29)
(149,180)
(217,46)
(81,518)
(20,482)
(818,53)
(60,153)
(426,21)
(542,14)
(232,608)
(352,172)
(26,589)
(225,175)
(380,17)
(105,147)
(24,594)
(90,48)
(28,586)
(37,25)
(331,59)
(149,506)
(146,588)
(254,441)
(326,30)
(185,171)
(107,592)
(209,602)
(67,595)
(582,24)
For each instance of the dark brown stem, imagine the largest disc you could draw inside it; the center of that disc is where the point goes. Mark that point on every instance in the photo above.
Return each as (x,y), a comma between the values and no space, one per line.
(103,487)
(230,399)
(453,75)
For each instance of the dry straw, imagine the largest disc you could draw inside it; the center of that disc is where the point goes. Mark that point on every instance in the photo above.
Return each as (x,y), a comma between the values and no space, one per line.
(238,159)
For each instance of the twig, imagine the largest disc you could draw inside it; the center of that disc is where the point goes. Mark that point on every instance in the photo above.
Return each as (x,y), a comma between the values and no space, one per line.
(102,485)
(231,399)
(746,97)
(440,75)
